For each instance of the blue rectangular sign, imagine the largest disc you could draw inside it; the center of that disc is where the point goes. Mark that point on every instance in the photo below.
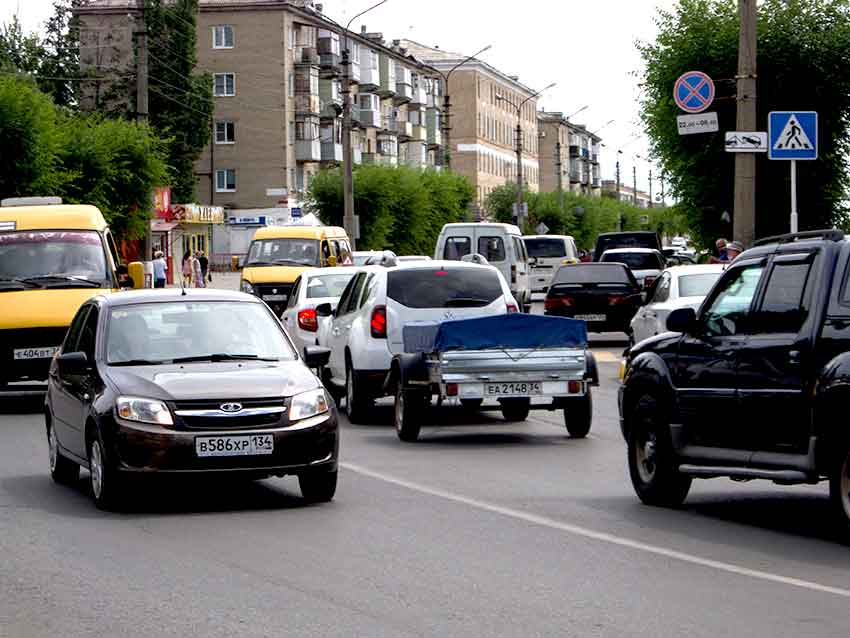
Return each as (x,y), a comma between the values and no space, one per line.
(793,135)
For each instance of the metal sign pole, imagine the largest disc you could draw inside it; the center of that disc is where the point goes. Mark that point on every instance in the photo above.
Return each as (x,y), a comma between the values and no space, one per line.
(793,196)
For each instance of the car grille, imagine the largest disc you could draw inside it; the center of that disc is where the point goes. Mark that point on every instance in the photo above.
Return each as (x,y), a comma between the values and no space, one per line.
(27,338)
(262,290)
(219,420)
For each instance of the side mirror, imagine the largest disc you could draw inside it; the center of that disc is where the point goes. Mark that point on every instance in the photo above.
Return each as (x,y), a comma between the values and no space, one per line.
(316,356)
(324,310)
(137,275)
(332,261)
(682,320)
(73,363)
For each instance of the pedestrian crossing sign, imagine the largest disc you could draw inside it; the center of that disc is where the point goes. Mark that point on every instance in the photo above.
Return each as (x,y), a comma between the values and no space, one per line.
(793,135)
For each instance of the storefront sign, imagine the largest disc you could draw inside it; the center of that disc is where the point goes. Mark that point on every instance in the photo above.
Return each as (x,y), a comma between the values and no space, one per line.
(162,201)
(197,214)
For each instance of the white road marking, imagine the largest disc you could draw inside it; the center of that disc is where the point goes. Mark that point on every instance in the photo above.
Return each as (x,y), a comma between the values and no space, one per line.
(613,539)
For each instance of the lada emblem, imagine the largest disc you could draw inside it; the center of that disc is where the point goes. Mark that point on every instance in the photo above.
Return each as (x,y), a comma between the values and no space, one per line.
(231,407)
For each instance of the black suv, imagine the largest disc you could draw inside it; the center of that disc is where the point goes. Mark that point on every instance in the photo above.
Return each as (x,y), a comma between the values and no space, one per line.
(754,386)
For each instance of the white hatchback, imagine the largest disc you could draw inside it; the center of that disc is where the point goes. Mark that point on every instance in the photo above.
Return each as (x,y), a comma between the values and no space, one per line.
(646,264)
(366,329)
(313,287)
(677,287)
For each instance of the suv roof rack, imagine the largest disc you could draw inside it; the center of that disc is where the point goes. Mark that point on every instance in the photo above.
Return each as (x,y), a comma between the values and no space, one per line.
(827,235)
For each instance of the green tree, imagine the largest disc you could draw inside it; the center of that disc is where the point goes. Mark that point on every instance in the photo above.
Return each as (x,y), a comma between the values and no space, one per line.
(61,53)
(802,53)
(28,138)
(180,100)
(400,209)
(19,52)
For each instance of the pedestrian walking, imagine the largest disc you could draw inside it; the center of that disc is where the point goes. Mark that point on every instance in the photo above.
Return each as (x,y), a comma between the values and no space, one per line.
(205,265)
(197,274)
(159,270)
(187,268)
(733,249)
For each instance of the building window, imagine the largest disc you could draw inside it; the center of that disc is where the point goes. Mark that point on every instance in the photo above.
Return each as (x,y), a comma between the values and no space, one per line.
(223,36)
(291,38)
(225,132)
(225,180)
(291,85)
(224,84)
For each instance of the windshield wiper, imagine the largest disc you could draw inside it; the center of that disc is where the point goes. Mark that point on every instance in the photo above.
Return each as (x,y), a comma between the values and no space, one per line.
(18,283)
(136,362)
(223,356)
(259,263)
(64,278)
(465,301)
(292,261)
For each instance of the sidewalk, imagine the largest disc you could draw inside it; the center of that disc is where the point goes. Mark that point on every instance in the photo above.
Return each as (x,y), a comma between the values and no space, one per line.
(226,280)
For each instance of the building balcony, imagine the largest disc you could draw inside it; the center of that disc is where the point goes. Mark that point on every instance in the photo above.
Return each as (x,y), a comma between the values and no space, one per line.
(403,84)
(416,155)
(367,117)
(432,125)
(355,72)
(369,158)
(308,150)
(307,104)
(370,74)
(328,48)
(331,152)
(418,96)
(596,183)
(420,133)
(575,177)
(387,86)
(404,129)
(594,158)
(387,160)
(575,151)
(306,56)
(357,155)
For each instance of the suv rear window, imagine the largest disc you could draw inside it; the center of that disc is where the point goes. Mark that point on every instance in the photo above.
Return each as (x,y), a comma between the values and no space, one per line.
(444,287)
(579,274)
(545,248)
(635,261)
(625,240)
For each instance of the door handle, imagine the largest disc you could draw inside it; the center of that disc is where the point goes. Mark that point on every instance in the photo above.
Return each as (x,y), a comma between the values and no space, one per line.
(86,396)
(794,356)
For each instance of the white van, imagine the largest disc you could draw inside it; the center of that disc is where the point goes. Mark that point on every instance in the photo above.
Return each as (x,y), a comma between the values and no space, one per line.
(500,244)
(546,254)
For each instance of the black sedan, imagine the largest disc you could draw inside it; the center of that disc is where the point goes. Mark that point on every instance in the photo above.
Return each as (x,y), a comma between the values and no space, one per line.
(605,295)
(194,382)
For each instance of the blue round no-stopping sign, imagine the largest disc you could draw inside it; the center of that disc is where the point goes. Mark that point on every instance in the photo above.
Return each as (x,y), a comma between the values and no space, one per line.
(693,92)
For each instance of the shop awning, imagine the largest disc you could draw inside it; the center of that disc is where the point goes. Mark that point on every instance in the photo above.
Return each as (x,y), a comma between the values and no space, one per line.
(162,226)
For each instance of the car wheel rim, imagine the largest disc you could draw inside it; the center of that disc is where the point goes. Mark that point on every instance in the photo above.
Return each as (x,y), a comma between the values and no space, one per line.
(399,411)
(96,469)
(53,451)
(845,486)
(645,456)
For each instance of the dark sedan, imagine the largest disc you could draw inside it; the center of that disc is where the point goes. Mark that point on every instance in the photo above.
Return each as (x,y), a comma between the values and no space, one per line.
(604,295)
(194,382)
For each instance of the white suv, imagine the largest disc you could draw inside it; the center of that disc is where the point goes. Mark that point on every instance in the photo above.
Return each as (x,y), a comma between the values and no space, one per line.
(366,329)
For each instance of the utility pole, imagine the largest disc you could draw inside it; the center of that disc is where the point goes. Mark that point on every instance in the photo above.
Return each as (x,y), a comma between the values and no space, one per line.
(650,188)
(619,201)
(141,34)
(559,176)
(744,228)
(634,188)
(663,198)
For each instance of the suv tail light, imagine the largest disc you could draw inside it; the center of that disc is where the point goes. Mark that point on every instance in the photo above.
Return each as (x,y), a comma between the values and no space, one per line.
(513,274)
(308,320)
(378,323)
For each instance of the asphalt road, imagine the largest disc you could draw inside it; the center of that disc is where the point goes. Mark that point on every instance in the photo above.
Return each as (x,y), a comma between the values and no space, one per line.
(480,529)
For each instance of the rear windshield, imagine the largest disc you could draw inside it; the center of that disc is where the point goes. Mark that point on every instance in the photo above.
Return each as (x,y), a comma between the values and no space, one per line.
(578,274)
(697,285)
(635,261)
(545,247)
(625,240)
(444,287)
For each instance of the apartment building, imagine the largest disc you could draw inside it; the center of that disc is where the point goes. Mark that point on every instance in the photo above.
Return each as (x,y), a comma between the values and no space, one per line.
(626,193)
(569,156)
(483,120)
(277,87)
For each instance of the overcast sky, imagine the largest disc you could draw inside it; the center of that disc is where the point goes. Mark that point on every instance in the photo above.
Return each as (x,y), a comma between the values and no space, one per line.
(587,47)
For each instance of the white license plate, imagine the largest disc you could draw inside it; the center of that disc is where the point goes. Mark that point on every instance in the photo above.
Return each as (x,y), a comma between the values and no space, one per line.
(591,317)
(34,353)
(251,445)
(528,388)
(275,297)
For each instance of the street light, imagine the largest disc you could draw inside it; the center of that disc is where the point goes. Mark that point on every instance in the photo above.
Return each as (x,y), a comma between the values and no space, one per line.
(347,154)
(606,125)
(572,115)
(518,108)
(444,122)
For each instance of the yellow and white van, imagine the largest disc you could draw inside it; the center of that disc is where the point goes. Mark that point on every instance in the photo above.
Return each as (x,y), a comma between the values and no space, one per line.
(278,254)
(52,259)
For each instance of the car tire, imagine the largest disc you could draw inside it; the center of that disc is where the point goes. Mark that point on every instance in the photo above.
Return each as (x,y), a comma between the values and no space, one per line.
(839,490)
(407,414)
(578,416)
(318,487)
(652,461)
(515,410)
(471,404)
(356,405)
(107,484)
(63,471)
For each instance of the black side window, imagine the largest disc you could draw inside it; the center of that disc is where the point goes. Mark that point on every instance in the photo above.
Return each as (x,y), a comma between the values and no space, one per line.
(293,296)
(88,336)
(367,289)
(457,248)
(348,301)
(326,251)
(73,336)
(729,310)
(662,289)
(784,308)
(493,248)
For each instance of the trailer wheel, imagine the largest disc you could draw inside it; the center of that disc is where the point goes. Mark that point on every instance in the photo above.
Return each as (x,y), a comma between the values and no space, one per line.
(407,414)
(515,410)
(579,416)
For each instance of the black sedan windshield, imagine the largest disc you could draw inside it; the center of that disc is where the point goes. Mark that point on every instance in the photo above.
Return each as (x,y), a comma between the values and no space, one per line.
(197,331)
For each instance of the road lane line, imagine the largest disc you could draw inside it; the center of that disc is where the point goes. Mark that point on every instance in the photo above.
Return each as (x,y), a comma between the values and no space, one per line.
(613,539)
